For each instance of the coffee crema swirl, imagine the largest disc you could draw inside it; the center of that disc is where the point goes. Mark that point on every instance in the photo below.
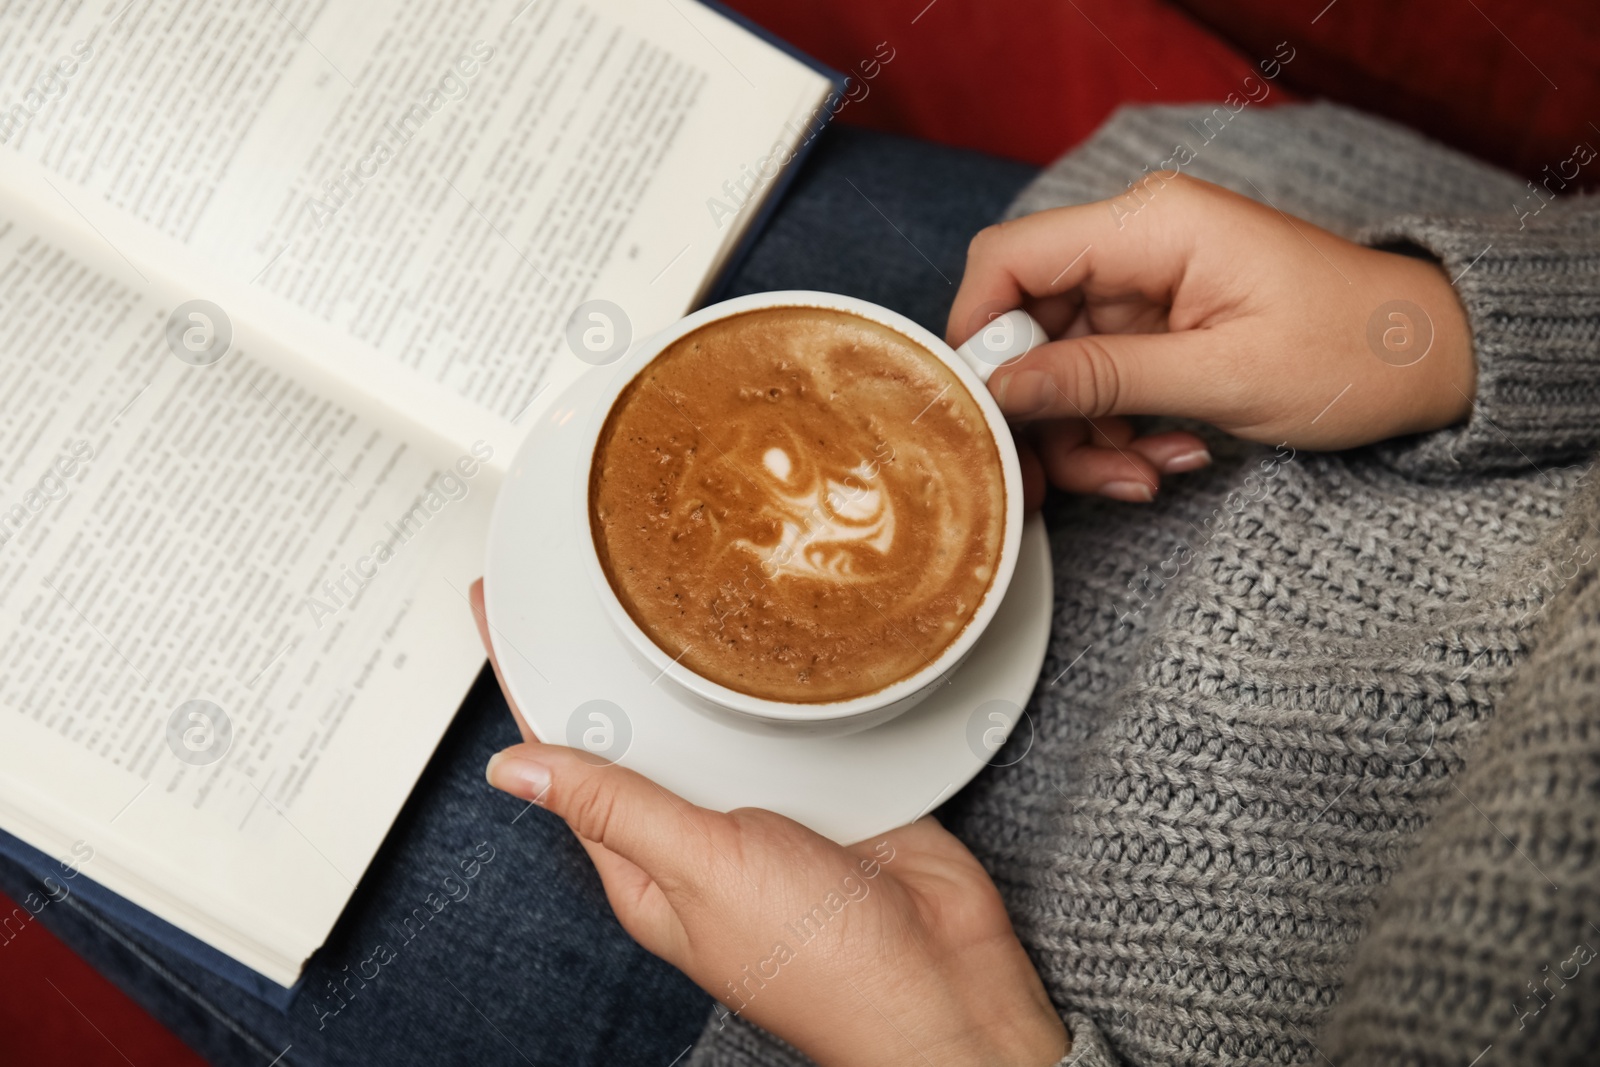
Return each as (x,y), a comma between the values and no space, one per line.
(798,503)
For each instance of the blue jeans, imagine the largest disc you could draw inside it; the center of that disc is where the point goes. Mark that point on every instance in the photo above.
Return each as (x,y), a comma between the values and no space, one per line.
(531,968)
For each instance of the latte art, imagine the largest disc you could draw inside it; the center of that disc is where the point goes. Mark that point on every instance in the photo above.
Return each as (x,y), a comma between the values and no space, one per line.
(798,503)
(825,524)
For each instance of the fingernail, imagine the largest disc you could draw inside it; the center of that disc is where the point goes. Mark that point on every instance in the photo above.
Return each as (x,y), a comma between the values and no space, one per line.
(1025,393)
(1188,461)
(1132,492)
(519,777)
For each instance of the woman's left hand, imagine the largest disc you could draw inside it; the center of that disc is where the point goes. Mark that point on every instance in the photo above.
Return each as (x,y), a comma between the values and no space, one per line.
(896,950)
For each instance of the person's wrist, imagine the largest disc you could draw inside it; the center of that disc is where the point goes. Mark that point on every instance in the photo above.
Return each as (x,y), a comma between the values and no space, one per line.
(1448,382)
(995,1012)
(1034,1037)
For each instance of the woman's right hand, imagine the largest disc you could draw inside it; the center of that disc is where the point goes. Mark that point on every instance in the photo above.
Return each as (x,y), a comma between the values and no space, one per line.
(894,951)
(1182,298)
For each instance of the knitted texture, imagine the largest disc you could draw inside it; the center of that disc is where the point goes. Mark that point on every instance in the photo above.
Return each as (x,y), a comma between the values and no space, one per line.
(1488,942)
(1264,707)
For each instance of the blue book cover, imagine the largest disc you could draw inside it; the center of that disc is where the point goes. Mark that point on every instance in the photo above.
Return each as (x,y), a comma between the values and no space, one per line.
(802,150)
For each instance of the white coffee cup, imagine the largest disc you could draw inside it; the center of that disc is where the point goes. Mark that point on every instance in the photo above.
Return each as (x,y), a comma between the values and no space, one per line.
(1005,337)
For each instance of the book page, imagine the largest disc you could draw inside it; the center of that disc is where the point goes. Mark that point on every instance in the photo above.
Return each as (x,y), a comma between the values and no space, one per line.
(447,183)
(395,212)
(232,594)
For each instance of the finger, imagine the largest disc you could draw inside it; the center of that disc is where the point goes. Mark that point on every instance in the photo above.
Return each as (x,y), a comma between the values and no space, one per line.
(1055,313)
(481,617)
(639,903)
(1078,467)
(926,835)
(1056,251)
(1112,374)
(661,833)
(1173,452)
(1110,433)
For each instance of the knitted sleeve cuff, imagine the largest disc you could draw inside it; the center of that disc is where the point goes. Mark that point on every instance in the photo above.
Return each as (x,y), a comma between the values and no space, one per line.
(729,1041)
(1089,1048)
(1530,284)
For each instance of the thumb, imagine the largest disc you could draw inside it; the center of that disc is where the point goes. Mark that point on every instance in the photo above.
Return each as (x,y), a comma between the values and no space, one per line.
(1106,374)
(659,832)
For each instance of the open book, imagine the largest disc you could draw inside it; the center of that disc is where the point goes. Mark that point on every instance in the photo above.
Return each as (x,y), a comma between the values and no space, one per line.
(280,283)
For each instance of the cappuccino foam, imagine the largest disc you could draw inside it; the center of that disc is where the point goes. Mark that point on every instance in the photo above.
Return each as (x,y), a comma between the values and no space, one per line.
(798,503)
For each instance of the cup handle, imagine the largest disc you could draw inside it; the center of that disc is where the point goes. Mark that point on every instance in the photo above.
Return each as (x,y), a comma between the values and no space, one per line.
(1002,339)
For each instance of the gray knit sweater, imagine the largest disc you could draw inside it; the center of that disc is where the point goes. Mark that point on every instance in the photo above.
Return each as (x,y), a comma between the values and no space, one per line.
(1316,767)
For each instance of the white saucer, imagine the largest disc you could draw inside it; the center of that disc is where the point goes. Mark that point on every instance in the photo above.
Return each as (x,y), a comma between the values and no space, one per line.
(578,683)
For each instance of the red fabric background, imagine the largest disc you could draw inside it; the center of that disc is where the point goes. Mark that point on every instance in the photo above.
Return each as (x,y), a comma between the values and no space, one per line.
(1029,79)
(1511,81)
(57,1010)
(1026,79)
